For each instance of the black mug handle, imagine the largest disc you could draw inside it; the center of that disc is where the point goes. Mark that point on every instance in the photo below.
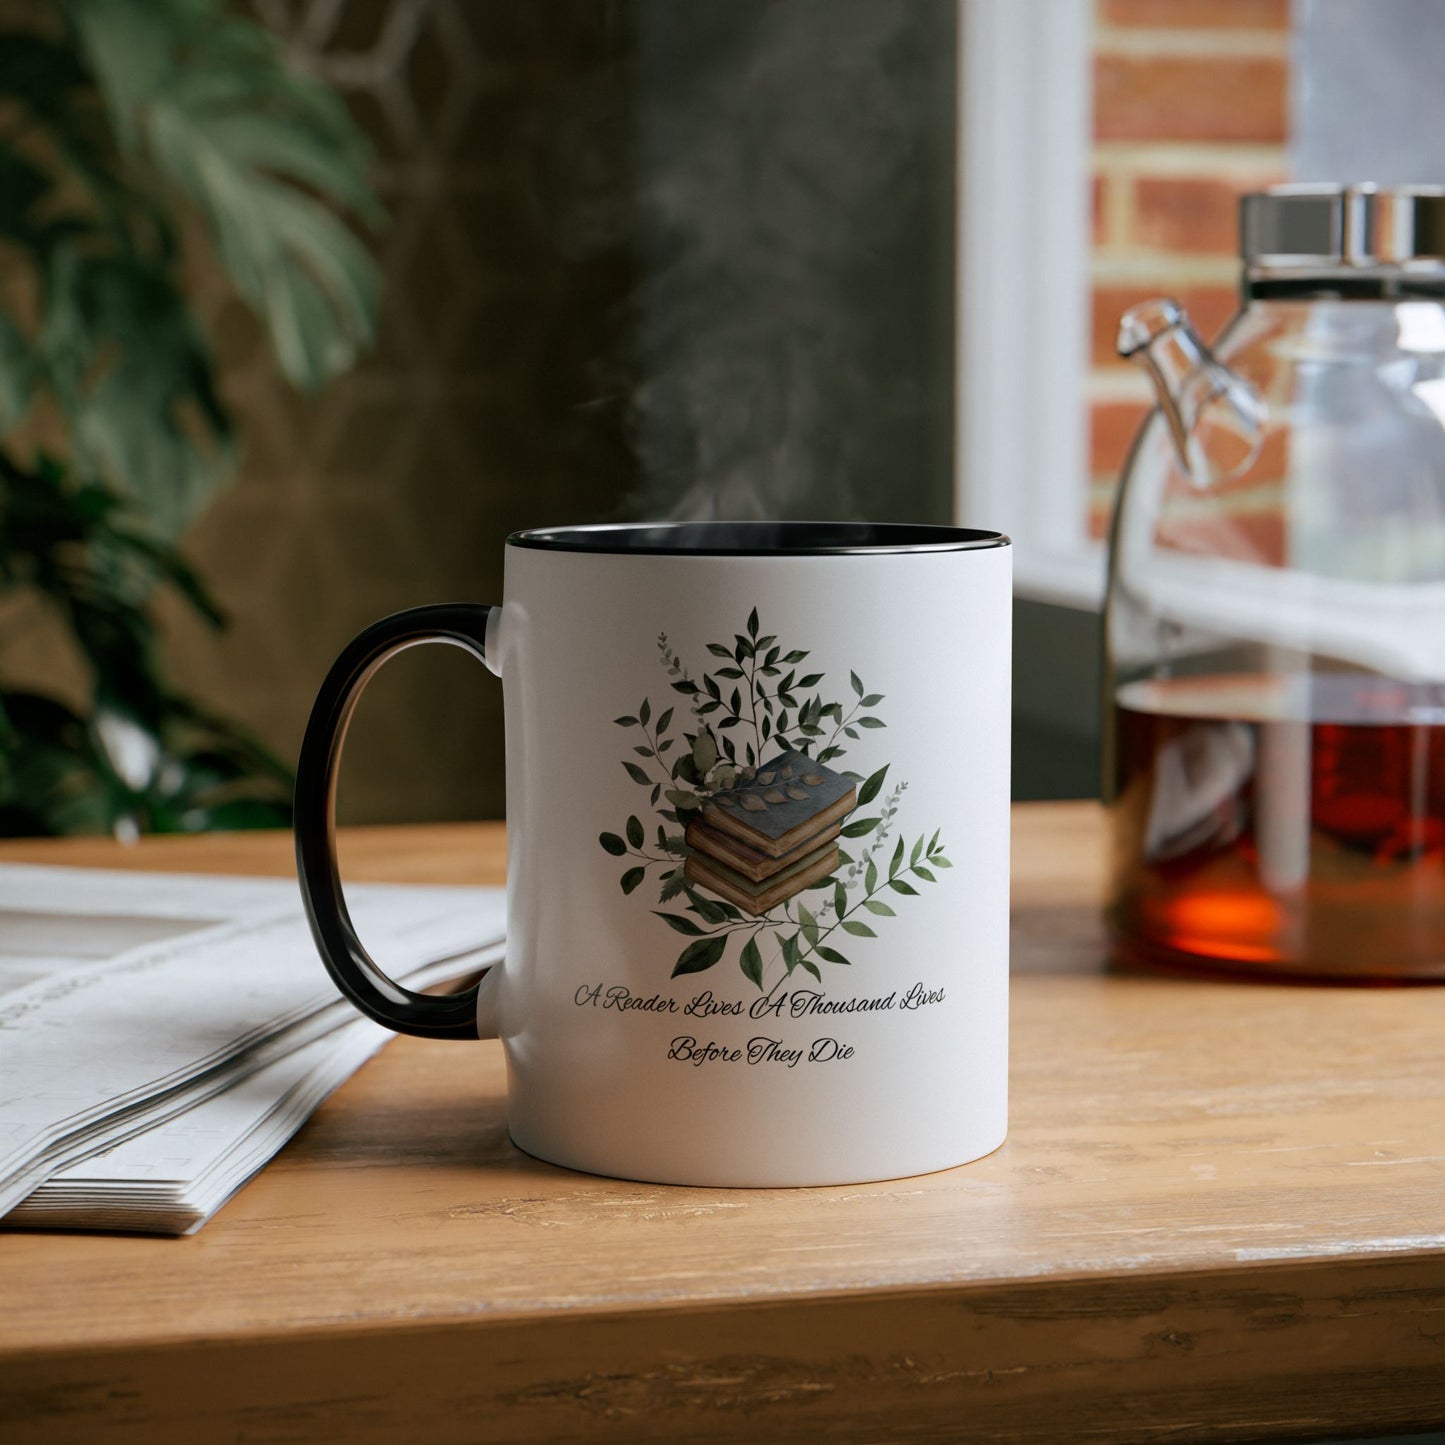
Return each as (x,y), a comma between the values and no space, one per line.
(356,974)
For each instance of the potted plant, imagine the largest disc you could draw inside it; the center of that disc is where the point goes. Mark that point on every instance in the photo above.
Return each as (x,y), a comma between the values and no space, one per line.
(129,131)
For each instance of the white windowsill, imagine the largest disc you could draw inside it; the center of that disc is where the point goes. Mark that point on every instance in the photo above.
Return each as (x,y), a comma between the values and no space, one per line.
(1073,578)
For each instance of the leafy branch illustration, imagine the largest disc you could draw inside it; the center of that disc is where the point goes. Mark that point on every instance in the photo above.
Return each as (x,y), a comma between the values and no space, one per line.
(760,696)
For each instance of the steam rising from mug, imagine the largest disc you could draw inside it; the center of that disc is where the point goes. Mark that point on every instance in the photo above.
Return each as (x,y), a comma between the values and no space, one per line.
(789,334)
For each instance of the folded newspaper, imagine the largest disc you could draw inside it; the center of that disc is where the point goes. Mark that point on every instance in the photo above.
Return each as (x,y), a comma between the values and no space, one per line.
(162,1036)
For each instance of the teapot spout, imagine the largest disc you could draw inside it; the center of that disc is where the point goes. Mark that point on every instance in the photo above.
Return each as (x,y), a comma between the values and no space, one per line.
(1216,419)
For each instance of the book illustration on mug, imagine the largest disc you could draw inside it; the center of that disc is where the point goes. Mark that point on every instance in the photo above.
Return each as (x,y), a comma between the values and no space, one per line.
(769,837)
(753,820)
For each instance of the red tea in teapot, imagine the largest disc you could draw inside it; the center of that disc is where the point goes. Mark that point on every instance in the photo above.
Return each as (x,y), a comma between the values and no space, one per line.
(1284,825)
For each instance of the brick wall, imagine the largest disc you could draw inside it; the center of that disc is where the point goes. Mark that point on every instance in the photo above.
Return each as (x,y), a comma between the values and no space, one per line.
(1190,110)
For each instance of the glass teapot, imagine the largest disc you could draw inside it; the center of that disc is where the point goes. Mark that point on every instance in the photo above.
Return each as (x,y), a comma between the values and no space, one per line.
(1275,624)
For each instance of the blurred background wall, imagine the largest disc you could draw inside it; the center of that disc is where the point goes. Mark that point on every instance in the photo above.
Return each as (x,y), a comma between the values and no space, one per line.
(654,257)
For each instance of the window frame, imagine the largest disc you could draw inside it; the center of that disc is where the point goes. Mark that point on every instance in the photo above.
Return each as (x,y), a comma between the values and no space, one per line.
(1025,127)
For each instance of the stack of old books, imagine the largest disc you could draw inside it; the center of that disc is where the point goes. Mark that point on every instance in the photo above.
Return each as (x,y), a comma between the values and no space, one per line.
(772,835)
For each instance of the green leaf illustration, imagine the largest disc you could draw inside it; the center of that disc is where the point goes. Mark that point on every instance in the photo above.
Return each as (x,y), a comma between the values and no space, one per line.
(874,905)
(871,722)
(860,930)
(637,775)
(899,886)
(860,826)
(700,955)
(644,713)
(870,877)
(752,962)
(923,873)
(857,686)
(896,862)
(707,910)
(704,752)
(718,650)
(840,900)
(831,955)
(625,722)
(872,700)
(916,854)
(753,623)
(662,723)
(634,832)
(680,924)
(613,844)
(811,967)
(939,861)
(632,878)
(872,787)
(792,955)
(810,924)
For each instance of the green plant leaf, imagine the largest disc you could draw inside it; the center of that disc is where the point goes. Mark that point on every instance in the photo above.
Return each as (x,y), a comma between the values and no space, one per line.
(857,686)
(625,722)
(809,924)
(632,878)
(875,905)
(921,872)
(637,774)
(751,962)
(809,966)
(871,722)
(679,923)
(753,623)
(916,853)
(662,723)
(860,930)
(872,787)
(704,752)
(792,954)
(899,886)
(634,831)
(208,101)
(939,861)
(860,826)
(613,844)
(831,955)
(896,862)
(840,899)
(699,956)
(718,650)
(708,910)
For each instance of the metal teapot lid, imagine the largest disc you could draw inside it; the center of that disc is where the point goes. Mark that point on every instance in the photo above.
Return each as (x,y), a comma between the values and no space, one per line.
(1329,228)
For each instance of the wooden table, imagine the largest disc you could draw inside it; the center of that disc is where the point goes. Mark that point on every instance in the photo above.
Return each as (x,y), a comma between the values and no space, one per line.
(1220,1214)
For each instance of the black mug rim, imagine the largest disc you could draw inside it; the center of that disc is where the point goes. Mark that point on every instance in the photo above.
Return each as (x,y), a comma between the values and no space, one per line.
(755,539)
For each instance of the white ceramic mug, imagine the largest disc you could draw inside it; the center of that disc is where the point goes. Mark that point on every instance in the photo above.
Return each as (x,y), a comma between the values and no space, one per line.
(757,847)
